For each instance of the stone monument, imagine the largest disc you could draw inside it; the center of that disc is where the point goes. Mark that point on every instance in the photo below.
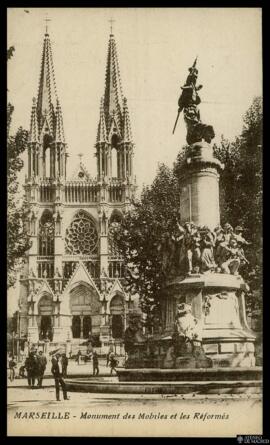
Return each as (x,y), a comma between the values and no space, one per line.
(204,321)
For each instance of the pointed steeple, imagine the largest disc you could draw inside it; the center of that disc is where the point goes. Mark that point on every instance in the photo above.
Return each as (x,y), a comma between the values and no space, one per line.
(47,95)
(46,128)
(113,105)
(114,146)
(113,97)
(33,133)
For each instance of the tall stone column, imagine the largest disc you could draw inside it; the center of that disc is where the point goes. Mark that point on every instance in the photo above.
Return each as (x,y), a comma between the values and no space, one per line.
(199,187)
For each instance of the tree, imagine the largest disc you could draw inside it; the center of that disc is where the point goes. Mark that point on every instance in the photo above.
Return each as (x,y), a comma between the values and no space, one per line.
(139,237)
(241,194)
(17,239)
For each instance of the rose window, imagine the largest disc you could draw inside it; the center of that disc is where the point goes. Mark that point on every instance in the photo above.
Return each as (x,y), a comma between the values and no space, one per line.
(81,236)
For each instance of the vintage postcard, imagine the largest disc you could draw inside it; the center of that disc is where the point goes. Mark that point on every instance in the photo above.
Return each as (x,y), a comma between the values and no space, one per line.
(134,222)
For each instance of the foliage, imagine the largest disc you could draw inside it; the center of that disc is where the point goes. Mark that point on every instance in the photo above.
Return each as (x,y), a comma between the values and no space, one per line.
(139,237)
(241,194)
(17,238)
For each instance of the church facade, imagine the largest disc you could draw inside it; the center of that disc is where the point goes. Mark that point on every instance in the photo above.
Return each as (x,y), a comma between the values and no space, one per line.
(71,287)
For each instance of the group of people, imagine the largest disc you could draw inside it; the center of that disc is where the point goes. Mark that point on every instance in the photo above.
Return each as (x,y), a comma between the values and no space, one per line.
(36,362)
(199,250)
(111,361)
(35,365)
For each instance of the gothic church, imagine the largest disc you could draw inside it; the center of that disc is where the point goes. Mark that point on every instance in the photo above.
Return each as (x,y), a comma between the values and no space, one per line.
(71,288)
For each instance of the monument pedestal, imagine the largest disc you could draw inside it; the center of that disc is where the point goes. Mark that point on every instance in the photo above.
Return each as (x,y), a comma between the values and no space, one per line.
(199,186)
(218,303)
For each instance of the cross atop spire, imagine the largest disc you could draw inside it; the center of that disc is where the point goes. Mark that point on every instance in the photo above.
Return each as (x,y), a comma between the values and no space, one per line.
(47,20)
(111,26)
(80,155)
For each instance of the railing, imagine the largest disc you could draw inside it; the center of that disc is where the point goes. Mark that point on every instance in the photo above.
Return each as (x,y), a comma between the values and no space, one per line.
(117,269)
(47,191)
(45,266)
(80,192)
(116,193)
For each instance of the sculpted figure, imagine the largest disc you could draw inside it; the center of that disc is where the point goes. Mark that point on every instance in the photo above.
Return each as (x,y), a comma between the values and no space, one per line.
(239,237)
(208,263)
(190,252)
(231,265)
(188,348)
(133,333)
(228,232)
(188,102)
(187,325)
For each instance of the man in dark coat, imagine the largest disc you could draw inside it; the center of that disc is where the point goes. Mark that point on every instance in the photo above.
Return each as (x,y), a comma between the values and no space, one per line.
(31,366)
(95,363)
(64,361)
(42,363)
(113,363)
(57,372)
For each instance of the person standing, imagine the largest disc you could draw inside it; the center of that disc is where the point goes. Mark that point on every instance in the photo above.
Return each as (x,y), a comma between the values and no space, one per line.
(79,357)
(95,364)
(64,361)
(113,363)
(11,365)
(57,372)
(31,366)
(42,363)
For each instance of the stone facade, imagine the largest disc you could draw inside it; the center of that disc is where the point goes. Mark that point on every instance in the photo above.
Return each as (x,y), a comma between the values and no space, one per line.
(72,282)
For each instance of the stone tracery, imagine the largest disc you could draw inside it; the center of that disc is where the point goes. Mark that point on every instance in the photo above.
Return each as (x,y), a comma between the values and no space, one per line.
(81,236)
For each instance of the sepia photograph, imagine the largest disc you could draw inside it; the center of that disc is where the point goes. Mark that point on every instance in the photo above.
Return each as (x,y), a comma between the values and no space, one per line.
(134,222)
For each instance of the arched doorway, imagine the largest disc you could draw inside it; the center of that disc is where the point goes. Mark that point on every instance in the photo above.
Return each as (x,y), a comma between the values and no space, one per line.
(87,326)
(76,326)
(117,311)
(85,309)
(45,312)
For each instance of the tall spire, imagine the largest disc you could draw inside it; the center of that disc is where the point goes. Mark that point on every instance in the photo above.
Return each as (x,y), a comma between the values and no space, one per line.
(47,94)
(46,137)
(113,97)
(114,132)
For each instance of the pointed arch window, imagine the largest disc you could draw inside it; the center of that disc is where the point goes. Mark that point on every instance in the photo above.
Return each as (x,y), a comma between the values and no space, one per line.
(115,221)
(47,139)
(82,236)
(114,155)
(46,235)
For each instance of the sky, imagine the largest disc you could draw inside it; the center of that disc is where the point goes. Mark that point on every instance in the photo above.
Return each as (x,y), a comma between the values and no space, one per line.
(156,46)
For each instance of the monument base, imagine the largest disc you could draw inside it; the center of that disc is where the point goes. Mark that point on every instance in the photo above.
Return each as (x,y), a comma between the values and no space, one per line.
(190,374)
(217,302)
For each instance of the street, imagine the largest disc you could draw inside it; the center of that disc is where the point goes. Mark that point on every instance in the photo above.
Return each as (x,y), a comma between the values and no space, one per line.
(99,414)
